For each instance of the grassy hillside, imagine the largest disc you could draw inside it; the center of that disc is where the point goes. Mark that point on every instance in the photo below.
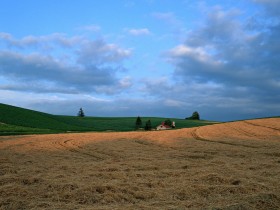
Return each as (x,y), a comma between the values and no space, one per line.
(6,130)
(28,118)
(15,120)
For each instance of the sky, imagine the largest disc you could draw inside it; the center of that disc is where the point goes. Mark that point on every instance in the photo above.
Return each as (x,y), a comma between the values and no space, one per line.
(160,58)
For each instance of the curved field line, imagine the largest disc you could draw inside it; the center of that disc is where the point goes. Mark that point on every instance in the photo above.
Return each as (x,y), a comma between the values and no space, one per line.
(95,150)
(276,129)
(76,150)
(246,133)
(151,145)
(199,138)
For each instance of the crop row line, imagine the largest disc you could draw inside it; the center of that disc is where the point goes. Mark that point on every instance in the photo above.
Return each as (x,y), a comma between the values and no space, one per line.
(196,136)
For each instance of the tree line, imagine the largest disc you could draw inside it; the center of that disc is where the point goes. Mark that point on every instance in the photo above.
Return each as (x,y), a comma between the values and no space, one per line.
(148,124)
(168,122)
(138,124)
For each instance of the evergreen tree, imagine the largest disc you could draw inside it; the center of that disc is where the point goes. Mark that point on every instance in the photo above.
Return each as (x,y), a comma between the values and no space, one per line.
(148,126)
(138,123)
(81,113)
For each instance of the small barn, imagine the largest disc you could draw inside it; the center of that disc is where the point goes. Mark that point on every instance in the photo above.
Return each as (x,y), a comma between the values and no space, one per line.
(162,126)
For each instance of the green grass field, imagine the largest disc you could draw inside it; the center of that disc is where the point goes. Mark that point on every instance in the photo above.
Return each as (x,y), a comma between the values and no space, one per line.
(15,120)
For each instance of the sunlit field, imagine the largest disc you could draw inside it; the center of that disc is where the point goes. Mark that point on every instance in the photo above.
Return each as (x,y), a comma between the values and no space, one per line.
(225,166)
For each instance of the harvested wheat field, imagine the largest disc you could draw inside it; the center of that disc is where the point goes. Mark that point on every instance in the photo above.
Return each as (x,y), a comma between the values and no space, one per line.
(225,166)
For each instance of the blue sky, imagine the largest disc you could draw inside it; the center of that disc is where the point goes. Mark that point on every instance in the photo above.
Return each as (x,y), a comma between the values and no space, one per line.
(142,57)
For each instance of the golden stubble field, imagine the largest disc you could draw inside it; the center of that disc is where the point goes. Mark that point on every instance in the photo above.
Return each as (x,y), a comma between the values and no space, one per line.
(224,166)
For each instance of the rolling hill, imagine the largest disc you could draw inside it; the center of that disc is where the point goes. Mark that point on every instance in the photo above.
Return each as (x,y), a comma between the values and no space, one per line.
(16,120)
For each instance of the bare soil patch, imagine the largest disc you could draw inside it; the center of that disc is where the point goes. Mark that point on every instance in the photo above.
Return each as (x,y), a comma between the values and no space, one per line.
(224,166)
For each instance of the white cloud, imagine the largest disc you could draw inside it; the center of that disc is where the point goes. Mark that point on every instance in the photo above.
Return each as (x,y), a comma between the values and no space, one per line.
(71,65)
(139,32)
(41,42)
(125,82)
(99,52)
(199,53)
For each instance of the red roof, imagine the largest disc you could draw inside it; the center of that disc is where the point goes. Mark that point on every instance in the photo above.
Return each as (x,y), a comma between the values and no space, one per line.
(163,124)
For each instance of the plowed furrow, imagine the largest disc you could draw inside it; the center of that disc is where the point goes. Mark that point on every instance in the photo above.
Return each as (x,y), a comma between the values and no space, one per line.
(199,138)
(77,150)
(242,131)
(95,150)
(272,128)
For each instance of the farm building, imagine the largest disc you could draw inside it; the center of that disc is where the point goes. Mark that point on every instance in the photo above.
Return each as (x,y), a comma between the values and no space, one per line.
(162,126)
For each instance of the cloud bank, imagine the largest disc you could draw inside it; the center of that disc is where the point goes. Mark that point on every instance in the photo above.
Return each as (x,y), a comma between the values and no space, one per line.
(226,65)
(60,64)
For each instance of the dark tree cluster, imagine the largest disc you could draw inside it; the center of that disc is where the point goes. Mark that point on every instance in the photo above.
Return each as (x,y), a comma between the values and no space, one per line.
(168,122)
(195,116)
(138,124)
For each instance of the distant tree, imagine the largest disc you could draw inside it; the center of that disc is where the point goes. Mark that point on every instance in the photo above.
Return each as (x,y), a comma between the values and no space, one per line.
(195,116)
(138,123)
(148,125)
(81,113)
(168,122)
